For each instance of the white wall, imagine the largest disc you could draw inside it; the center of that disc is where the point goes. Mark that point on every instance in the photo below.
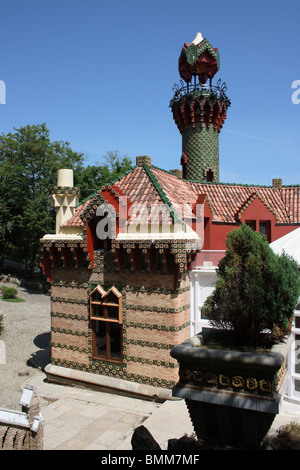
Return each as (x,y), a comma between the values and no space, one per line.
(202,284)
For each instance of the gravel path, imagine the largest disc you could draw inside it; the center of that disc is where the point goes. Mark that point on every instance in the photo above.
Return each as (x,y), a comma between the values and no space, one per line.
(26,337)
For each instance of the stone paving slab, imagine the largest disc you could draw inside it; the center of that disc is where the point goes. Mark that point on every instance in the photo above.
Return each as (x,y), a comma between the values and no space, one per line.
(81,419)
(77,419)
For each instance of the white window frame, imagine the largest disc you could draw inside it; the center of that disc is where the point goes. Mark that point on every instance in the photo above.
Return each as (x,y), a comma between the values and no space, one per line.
(294,377)
(197,297)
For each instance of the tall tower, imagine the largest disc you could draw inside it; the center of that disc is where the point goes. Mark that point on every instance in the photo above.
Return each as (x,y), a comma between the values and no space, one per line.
(199,110)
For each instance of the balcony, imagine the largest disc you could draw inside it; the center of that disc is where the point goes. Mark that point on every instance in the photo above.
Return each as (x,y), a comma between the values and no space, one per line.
(200,89)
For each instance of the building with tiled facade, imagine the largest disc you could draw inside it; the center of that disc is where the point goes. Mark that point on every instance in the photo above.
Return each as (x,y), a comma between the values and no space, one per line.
(119,263)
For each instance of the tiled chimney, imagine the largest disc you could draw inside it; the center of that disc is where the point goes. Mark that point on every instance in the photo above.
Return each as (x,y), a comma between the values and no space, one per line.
(277,183)
(64,197)
(177,173)
(143,160)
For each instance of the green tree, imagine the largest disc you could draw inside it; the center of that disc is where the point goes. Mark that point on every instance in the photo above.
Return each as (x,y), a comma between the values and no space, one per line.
(29,162)
(93,177)
(255,290)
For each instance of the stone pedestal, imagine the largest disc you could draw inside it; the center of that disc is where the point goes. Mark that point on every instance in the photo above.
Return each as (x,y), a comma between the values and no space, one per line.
(232,396)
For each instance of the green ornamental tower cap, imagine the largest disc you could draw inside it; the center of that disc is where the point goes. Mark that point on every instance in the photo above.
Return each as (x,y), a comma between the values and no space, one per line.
(200,59)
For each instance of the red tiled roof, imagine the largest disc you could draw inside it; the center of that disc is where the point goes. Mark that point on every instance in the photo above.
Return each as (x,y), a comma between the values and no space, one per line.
(156,186)
(136,185)
(226,200)
(75,220)
(291,200)
(140,190)
(176,189)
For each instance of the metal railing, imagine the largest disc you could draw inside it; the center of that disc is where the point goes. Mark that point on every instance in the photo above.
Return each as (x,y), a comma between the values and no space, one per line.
(202,89)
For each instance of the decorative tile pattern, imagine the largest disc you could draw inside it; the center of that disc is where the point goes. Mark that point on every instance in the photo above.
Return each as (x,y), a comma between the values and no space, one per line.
(201,145)
(198,59)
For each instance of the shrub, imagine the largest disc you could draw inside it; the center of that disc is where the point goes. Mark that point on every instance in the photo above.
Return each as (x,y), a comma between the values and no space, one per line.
(1,325)
(3,288)
(255,290)
(9,293)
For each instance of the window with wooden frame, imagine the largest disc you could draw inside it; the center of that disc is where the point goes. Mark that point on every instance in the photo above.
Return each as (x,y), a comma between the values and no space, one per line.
(106,319)
(265,229)
(251,224)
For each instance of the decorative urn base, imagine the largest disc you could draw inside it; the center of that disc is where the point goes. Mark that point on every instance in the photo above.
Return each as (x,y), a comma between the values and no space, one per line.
(232,396)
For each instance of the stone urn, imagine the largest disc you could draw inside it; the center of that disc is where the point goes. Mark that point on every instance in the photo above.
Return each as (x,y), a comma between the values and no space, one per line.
(232,396)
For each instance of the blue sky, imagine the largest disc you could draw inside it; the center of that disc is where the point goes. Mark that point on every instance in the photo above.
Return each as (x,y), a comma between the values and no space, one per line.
(100,74)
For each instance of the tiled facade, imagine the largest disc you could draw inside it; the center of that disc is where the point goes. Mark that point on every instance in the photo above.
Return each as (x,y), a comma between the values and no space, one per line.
(201,146)
(155,317)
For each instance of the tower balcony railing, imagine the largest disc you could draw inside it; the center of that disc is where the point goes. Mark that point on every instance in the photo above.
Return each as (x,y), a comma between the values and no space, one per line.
(217,91)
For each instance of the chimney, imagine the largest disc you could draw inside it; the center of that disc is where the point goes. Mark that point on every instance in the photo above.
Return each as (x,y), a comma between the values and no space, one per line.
(143,160)
(277,183)
(64,197)
(177,173)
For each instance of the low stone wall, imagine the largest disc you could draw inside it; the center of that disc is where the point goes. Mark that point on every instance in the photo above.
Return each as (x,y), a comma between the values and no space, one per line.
(22,430)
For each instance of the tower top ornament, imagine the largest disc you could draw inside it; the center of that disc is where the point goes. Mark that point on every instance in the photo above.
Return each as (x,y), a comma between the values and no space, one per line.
(198,59)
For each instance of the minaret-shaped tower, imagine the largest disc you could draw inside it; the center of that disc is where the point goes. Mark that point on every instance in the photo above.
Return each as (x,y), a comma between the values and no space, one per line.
(199,110)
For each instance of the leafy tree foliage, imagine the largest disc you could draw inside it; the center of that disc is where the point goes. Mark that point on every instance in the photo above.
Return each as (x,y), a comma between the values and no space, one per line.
(93,177)
(256,289)
(29,162)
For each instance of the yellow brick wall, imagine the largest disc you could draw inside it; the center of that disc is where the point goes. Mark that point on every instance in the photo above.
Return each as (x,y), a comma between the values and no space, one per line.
(154,322)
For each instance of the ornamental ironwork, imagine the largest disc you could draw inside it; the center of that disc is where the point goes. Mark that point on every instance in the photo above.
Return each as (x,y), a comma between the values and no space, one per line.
(217,91)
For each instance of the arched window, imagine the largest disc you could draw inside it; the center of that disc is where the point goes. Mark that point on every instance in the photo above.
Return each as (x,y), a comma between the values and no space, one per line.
(210,176)
(106,319)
